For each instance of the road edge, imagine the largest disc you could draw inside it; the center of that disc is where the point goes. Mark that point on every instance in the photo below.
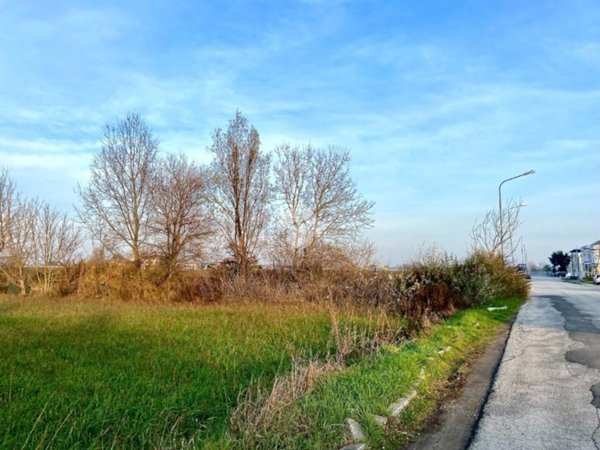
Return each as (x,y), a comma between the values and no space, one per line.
(503,335)
(457,424)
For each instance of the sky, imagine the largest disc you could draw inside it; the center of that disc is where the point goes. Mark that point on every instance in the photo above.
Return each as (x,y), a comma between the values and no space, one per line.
(437,101)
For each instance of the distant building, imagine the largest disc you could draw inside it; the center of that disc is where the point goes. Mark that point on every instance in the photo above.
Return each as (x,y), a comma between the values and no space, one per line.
(575,268)
(585,261)
(590,255)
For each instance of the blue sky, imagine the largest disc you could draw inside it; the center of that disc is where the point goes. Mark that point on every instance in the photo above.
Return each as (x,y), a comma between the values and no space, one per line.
(438,101)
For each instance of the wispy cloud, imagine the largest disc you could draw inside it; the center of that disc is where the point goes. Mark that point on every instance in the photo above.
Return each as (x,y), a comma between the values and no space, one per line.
(63,160)
(436,104)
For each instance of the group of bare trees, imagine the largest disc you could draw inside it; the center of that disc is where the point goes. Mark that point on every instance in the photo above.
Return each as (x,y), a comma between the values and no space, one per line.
(35,239)
(302,210)
(140,206)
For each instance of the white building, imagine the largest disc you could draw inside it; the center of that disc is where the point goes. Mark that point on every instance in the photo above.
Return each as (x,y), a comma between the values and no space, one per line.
(585,261)
(590,255)
(575,268)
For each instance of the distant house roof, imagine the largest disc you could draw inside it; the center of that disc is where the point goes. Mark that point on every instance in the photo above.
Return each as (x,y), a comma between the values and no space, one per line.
(596,243)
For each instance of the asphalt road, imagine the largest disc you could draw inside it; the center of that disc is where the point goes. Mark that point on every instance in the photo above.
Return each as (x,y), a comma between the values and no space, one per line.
(546,393)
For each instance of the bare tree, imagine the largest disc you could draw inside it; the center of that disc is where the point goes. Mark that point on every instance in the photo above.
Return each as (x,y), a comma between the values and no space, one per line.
(292,188)
(19,247)
(321,206)
(8,197)
(241,188)
(495,235)
(115,206)
(57,240)
(180,219)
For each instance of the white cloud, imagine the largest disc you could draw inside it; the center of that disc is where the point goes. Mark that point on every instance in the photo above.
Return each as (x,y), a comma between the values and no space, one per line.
(71,159)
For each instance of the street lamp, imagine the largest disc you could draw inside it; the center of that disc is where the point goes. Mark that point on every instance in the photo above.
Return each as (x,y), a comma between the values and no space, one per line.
(500,206)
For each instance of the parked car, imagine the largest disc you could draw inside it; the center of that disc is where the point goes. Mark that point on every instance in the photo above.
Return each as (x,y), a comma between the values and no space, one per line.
(523,270)
(597,279)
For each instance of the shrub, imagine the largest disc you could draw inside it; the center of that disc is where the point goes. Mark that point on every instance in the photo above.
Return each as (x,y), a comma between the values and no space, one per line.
(427,292)
(423,292)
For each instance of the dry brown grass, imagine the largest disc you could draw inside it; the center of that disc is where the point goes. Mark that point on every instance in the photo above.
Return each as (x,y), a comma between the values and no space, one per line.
(424,292)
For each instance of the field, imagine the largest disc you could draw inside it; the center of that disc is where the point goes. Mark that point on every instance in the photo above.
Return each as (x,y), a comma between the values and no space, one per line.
(84,374)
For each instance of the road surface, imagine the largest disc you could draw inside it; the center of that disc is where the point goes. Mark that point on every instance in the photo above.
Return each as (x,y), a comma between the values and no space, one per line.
(546,393)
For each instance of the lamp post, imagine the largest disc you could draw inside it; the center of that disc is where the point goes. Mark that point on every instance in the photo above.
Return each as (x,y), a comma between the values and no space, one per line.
(500,206)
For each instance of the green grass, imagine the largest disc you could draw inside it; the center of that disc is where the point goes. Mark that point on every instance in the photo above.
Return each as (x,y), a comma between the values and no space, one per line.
(371,385)
(79,374)
(84,374)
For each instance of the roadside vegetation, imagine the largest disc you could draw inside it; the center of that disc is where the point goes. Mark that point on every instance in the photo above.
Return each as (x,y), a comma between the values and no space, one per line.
(367,388)
(275,372)
(231,305)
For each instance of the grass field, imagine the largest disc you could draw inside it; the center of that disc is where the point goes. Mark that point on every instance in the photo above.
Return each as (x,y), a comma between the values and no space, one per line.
(84,374)
(76,374)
